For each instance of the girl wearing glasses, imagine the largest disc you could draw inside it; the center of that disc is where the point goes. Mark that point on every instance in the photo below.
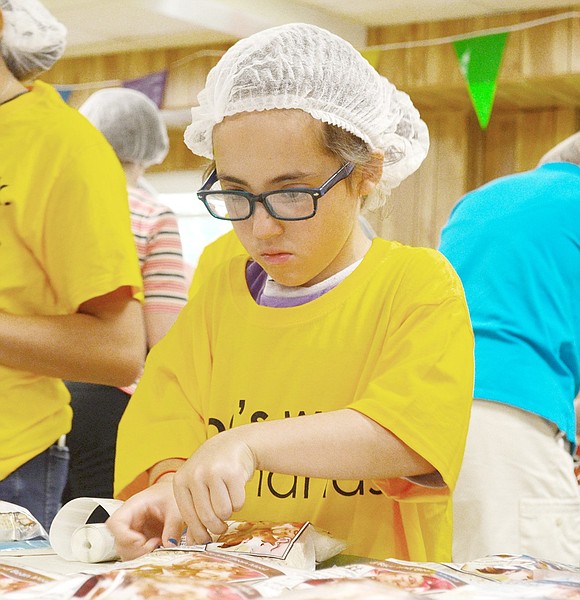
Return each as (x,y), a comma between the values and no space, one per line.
(324,377)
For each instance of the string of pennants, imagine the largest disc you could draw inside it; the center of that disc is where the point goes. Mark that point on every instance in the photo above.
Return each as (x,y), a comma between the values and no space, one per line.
(479,56)
(152,85)
(479,62)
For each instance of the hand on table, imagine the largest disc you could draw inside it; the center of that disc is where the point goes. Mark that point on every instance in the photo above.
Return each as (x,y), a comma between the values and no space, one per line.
(146,521)
(210,485)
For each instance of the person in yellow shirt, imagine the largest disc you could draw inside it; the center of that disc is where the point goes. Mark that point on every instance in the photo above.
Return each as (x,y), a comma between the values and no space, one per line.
(319,375)
(70,283)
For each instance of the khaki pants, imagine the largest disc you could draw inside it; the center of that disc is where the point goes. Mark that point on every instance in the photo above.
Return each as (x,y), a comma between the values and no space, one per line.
(517,492)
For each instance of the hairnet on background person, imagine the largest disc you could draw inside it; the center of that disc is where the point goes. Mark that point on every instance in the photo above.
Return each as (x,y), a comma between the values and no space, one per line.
(300,66)
(567,150)
(131,122)
(31,40)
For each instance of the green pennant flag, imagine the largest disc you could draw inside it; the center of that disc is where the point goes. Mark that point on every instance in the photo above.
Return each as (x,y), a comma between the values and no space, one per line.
(372,56)
(479,61)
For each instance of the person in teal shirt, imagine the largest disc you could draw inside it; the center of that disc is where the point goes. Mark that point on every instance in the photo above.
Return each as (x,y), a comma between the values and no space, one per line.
(515,243)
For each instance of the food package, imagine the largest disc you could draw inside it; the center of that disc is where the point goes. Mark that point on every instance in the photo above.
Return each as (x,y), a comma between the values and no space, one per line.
(17,524)
(298,545)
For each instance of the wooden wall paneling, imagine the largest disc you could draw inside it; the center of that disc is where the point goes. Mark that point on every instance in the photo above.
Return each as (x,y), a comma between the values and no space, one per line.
(419,207)
(499,155)
(392,63)
(515,140)
(418,66)
(566,92)
(187,69)
(182,86)
(463,157)
(451,170)
(574,48)
(396,220)
(540,65)
(108,66)
(491,152)
(567,122)
(540,130)
(187,73)
(511,63)
(535,136)
(439,98)
(536,61)
(541,52)
(475,157)
(442,64)
(417,59)
(427,182)
(525,93)
(131,65)
(180,157)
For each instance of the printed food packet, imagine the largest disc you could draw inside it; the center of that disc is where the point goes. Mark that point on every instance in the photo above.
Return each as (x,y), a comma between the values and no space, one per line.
(17,524)
(520,567)
(298,545)
(188,574)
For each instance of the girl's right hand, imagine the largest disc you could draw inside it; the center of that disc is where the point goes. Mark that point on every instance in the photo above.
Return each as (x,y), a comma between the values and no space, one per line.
(146,521)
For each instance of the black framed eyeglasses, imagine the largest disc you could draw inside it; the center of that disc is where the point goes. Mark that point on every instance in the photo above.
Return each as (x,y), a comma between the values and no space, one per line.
(290,204)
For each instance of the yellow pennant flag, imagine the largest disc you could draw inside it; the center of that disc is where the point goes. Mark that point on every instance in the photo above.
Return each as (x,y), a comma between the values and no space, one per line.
(373,56)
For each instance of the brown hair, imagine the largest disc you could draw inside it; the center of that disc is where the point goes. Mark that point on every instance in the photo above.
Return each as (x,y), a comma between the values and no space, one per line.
(348,147)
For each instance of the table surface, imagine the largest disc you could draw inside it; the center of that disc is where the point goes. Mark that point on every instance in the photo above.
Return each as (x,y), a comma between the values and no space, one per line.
(52,564)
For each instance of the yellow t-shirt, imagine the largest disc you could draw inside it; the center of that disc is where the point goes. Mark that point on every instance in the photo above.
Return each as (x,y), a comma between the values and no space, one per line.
(393,341)
(214,254)
(65,237)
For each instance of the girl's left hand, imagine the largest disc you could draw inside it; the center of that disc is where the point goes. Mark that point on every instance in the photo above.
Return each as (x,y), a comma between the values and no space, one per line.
(210,485)
(146,521)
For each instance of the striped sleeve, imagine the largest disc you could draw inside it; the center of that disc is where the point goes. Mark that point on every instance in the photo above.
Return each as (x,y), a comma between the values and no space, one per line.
(158,242)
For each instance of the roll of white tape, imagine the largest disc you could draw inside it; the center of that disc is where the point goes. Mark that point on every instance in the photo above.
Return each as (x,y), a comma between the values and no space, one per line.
(72,538)
(93,543)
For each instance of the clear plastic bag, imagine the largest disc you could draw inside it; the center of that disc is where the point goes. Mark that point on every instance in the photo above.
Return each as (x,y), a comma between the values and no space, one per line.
(17,524)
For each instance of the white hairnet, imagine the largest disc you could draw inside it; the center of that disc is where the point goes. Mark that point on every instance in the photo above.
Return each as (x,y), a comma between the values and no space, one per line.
(131,122)
(300,66)
(31,40)
(567,150)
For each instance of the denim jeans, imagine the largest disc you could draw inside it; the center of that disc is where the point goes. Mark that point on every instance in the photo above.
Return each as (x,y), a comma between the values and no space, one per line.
(37,485)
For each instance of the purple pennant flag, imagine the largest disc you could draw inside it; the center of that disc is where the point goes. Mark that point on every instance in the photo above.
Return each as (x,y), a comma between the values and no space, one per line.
(152,85)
